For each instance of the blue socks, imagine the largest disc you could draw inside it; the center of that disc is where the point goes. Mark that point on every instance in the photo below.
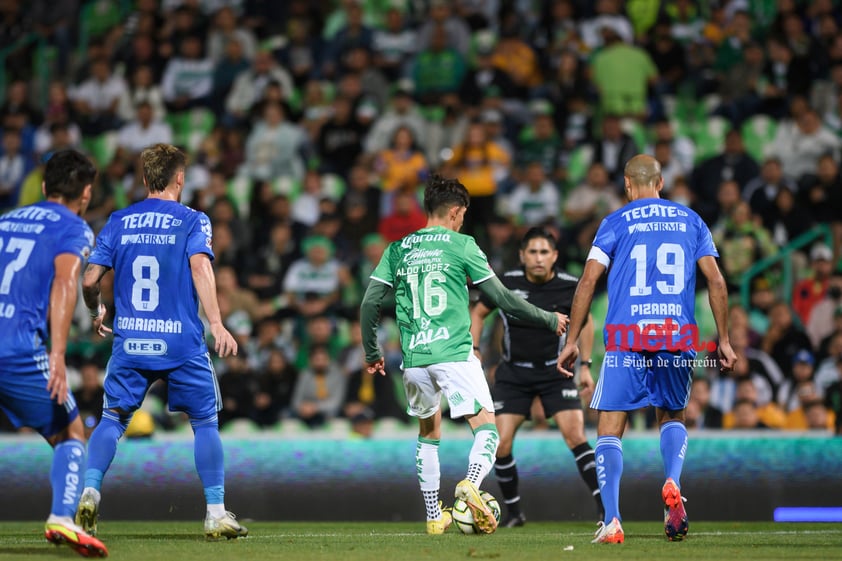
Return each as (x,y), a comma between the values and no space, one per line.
(673,449)
(609,469)
(103,446)
(209,458)
(66,477)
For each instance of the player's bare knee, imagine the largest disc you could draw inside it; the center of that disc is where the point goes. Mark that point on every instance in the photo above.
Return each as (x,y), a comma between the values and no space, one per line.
(75,430)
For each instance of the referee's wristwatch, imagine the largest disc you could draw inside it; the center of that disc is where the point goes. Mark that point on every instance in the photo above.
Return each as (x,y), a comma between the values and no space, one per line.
(588,362)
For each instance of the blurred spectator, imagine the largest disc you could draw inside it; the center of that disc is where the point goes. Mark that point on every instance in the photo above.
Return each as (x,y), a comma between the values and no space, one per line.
(683,148)
(402,112)
(96,100)
(810,291)
(514,56)
(237,298)
(746,416)
(370,397)
(833,401)
(143,131)
(394,44)
(339,142)
(821,191)
(273,148)
(799,149)
(608,16)
(144,52)
(224,31)
(484,74)
(438,69)
(441,135)
(481,166)
(354,34)
(754,364)
(786,75)
(733,164)
(739,85)
(622,73)
(89,396)
(453,31)
(275,386)
(762,191)
(250,84)
(225,72)
(301,55)
(502,246)
(143,89)
(702,413)
(236,386)
(312,284)
(540,142)
(783,339)
(801,418)
(801,373)
(306,208)
(18,100)
(669,58)
(401,167)
(826,313)
(269,266)
(671,168)
(769,413)
(592,200)
(57,111)
(404,217)
(742,242)
(319,390)
(614,148)
(535,200)
(188,77)
(14,167)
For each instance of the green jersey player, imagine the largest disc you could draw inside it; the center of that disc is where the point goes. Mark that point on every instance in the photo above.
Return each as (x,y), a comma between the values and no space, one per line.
(428,271)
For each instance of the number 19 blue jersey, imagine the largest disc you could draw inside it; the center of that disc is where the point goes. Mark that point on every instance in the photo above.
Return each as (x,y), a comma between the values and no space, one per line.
(651,247)
(149,244)
(30,239)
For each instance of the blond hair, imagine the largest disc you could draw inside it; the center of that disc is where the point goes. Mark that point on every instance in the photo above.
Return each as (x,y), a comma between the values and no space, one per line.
(160,164)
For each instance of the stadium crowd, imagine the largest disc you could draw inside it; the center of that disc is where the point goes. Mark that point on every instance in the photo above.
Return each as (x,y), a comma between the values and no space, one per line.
(312,126)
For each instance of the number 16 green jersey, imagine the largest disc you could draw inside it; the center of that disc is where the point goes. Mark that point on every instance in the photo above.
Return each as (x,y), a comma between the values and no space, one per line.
(428,271)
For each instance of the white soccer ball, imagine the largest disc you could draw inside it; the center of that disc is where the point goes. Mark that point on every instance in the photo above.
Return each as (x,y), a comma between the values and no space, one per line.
(464,518)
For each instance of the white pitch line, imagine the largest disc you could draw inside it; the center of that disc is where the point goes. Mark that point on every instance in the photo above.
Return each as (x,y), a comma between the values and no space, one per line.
(542,534)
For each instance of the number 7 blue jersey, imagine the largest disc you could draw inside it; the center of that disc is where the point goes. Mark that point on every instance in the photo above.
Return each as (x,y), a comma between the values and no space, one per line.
(30,239)
(149,244)
(651,247)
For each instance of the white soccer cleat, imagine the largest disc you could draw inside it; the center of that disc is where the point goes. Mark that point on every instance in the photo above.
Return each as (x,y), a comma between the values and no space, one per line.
(609,533)
(226,527)
(87,512)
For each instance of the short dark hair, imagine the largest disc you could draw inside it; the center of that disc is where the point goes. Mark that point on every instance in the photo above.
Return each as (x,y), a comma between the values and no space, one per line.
(160,164)
(538,232)
(442,194)
(67,173)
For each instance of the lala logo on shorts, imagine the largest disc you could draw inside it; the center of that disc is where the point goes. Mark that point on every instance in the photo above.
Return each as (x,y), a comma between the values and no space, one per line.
(145,347)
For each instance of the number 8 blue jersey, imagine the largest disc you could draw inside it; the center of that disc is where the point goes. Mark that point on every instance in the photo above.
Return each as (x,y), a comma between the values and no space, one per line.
(30,239)
(651,247)
(149,244)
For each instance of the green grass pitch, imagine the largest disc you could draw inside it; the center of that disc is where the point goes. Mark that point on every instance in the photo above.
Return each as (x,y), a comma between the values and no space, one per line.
(360,541)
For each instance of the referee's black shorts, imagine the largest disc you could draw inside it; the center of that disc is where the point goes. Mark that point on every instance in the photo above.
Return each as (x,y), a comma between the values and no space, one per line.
(515,387)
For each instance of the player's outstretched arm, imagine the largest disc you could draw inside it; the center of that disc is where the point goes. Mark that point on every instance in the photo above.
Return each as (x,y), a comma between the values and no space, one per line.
(62,303)
(579,312)
(718,297)
(516,306)
(205,283)
(369,319)
(90,292)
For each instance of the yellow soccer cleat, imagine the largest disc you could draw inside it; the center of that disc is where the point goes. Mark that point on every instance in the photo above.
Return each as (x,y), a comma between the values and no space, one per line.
(87,512)
(484,518)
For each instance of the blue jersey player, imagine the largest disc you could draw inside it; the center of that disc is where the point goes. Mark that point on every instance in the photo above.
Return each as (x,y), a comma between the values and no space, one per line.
(651,248)
(161,255)
(42,247)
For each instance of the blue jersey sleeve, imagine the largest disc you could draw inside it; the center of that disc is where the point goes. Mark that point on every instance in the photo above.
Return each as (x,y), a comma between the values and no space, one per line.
(705,244)
(103,253)
(77,241)
(200,238)
(606,240)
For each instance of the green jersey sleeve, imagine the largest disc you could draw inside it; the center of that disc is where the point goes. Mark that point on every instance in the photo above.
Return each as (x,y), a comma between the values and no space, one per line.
(385,270)
(476,263)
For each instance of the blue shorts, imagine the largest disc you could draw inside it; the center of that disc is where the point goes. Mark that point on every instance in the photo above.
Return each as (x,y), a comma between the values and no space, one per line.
(192,387)
(25,399)
(631,380)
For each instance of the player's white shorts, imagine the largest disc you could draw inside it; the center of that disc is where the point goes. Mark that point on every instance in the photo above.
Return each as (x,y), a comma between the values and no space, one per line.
(463,384)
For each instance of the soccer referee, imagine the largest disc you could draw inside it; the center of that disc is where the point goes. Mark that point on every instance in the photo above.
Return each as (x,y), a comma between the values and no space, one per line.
(528,369)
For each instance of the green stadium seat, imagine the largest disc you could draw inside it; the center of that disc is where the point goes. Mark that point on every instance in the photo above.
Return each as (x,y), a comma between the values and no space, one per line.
(637,131)
(709,136)
(102,148)
(758,132)
(577,165)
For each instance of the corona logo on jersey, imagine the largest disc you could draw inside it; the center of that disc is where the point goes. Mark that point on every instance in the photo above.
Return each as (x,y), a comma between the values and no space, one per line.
(413,239)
